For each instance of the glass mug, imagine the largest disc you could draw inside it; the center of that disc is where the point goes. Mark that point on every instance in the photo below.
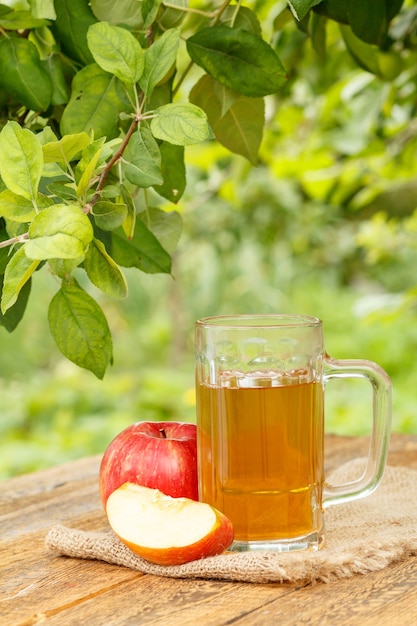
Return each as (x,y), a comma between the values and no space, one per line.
(260,383)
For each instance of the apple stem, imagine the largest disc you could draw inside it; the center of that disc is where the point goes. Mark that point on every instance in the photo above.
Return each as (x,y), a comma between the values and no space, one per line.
(163,433)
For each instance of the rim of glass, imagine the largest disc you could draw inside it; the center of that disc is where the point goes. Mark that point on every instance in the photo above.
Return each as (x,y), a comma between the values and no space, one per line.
(259,320)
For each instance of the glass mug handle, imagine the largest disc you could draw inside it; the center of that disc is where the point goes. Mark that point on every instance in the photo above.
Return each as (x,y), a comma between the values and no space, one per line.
(378,450)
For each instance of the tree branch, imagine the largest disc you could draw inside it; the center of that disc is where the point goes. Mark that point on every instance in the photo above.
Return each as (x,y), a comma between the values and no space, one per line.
(114,159)
(13,240)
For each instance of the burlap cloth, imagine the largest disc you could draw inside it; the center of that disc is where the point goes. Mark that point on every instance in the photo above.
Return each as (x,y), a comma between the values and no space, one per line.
(361,537)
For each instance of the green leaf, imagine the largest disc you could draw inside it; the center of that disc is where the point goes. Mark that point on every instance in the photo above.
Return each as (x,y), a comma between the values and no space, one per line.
(126,12)
(89,171)
(91,159)
(143,251)
(386,65)
(159,59)
(130,219)
(390,64)
(20,20)
(238,59)
(95,104)
(149,10)
(55,69)
(63,190)
(3,98)
(363,53)
(240,127)
(18,271)
(44,41)
(170,17)
(16,208)
(116,51)
(337,10)
(66,149)
(21,160)
(11,318)
(22,73)
(318,35)
(142,159)
(46,135)
(181,124)
(109,215)
(368,20)
(80,328)
(43,9)
(173,172)
(61,232)
(103,272)
(392,8)
(73,19)
(165,225)
(4,252)
(243,18)
(19,209)
(300,8)
(64,267)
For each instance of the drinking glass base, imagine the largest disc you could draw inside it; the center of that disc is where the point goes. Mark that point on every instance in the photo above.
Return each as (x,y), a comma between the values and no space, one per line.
(311,542)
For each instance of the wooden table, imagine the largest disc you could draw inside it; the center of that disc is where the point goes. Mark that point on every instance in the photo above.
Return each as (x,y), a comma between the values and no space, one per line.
(37,587)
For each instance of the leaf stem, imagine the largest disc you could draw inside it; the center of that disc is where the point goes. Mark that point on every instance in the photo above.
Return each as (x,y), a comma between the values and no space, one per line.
(168,5)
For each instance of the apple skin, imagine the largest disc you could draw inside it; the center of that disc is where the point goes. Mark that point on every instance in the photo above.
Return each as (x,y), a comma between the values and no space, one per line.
(165,530)
(159,455)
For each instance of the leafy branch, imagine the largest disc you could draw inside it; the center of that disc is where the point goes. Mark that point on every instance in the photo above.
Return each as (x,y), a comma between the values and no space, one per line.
(92,112)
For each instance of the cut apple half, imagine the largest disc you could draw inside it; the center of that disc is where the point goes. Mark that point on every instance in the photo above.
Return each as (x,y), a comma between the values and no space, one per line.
(166,530)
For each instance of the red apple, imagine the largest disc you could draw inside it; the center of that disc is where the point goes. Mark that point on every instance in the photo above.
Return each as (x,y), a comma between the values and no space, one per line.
(165,530)
(159,455)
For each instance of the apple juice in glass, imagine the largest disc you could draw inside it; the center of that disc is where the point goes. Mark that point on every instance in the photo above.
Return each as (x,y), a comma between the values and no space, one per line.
(260,427)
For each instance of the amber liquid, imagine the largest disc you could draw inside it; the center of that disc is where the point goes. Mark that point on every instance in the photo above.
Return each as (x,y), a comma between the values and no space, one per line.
(261,457)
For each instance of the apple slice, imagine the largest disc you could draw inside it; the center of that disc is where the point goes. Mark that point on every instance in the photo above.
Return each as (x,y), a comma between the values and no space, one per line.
(166,530)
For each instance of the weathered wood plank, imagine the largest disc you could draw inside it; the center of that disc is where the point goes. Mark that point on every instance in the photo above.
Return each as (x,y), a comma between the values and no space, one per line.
(39,588)
(55,584)
(384,598)
(156,601)
(30,486)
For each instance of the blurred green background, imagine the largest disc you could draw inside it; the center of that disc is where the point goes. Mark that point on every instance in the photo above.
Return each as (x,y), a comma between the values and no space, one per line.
(325,225)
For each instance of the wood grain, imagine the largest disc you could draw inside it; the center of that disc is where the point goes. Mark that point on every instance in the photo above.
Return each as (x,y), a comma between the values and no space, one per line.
(37,587)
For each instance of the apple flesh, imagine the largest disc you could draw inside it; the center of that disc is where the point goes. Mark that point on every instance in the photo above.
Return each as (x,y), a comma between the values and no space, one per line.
(166,530)
(159,455)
